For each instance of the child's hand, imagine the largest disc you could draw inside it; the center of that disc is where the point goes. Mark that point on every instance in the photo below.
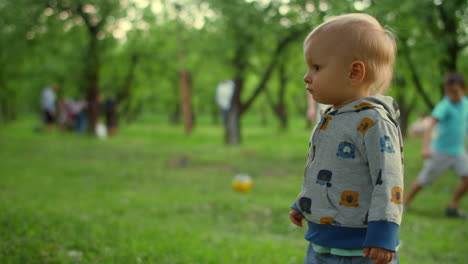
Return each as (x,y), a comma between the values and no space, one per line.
(296,217)
(381,255)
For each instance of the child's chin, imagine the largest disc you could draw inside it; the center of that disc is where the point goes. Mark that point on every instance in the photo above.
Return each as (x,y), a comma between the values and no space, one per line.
(320,100)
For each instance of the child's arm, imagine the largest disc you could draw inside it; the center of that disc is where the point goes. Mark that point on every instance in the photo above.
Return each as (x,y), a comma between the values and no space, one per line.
(426,151)
(382,146)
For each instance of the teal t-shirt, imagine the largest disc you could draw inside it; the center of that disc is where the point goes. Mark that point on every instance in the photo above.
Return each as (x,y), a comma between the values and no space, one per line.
(451,126)
(345,252)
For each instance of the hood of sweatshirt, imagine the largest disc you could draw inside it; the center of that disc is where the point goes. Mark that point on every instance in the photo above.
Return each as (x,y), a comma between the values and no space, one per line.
(376,101)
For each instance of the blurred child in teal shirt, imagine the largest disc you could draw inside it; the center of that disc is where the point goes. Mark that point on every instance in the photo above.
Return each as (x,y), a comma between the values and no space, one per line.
(447,151)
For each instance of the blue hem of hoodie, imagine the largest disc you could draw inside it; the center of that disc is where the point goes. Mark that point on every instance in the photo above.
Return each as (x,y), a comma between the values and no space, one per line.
(380,234)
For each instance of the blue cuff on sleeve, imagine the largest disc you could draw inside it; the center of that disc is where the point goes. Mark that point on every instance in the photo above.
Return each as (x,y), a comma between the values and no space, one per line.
(294,206)
(382,234)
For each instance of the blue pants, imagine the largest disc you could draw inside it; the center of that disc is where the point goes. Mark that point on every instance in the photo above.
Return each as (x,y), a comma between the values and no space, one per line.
(81,122)
(313,257)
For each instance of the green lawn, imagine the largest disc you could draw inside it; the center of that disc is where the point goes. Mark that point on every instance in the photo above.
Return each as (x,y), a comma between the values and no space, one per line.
(153,195)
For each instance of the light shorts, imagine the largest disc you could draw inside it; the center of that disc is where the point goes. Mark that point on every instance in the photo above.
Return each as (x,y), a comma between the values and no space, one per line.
(439,163)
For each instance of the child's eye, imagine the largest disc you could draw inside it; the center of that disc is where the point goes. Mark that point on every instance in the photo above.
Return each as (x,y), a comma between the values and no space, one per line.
(316,67)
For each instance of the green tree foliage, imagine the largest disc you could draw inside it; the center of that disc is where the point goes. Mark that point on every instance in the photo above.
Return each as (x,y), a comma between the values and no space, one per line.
(132,50)
(15,29)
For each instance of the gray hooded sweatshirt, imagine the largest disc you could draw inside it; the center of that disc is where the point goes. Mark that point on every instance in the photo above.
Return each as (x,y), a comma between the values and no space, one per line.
(353,182)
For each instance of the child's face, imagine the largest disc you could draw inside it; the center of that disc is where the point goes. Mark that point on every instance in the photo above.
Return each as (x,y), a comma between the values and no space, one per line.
(454,92)
(327,74)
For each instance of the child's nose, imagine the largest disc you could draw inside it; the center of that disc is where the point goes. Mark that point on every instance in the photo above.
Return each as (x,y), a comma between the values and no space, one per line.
(307,79)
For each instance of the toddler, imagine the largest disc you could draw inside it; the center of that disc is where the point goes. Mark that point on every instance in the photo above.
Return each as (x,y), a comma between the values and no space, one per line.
(351,197)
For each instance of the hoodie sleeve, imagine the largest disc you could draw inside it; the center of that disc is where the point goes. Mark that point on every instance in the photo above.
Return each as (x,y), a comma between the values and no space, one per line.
(383,147)
(294,206)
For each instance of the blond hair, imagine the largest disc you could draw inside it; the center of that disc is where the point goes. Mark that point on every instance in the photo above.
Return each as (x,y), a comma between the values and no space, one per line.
(368,42)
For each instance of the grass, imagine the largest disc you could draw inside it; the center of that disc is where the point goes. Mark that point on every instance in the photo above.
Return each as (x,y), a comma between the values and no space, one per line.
(153,195)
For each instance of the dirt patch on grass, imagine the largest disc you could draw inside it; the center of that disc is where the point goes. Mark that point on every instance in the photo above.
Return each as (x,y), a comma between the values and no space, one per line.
(182,161)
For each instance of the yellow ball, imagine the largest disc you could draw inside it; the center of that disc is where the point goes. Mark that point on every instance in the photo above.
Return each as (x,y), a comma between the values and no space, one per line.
(242,183)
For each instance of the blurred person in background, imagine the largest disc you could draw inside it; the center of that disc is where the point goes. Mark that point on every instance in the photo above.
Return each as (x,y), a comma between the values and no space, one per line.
(65,114)
(110,111)
(78,109)
(224,93)
(447,149)
(48,106)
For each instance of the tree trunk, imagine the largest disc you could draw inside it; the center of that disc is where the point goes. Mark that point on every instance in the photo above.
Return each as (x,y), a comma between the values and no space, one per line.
(415,76)
(186,107)
(450,25)
(448,34)
(232,132)
(232,135)
(92,66)
(125,92)
(282,115)
(405,106)
(92,74)
(263,117)
(281,107)
(93,104)
(174,116)
(404,119)
(281,46)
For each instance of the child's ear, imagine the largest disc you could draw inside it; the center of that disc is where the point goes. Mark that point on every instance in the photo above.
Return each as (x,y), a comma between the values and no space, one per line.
(357,72)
